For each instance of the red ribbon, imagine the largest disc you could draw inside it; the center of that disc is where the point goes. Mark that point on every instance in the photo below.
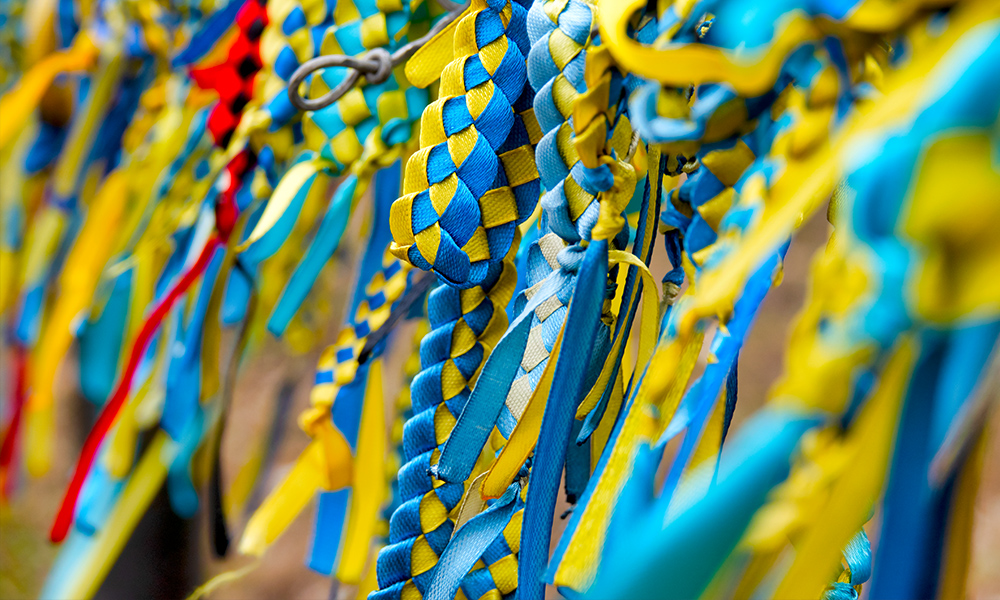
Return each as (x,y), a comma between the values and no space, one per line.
(109,414)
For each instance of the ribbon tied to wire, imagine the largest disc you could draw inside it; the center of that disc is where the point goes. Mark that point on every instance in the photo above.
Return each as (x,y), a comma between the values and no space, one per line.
(375,65)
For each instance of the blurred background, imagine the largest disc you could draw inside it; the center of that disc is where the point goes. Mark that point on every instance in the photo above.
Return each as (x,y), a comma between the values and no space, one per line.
(168,557)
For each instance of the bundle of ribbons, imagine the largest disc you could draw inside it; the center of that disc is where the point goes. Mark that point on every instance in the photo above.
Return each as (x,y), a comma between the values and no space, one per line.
(177,177)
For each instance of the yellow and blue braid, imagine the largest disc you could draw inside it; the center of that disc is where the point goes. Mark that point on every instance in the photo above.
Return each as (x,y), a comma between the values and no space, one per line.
(465,325)
(474,178)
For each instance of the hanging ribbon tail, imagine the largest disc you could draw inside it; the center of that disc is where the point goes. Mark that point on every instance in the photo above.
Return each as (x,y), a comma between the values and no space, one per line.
(701,398)
(102,337)
(638,281)
(574,562)
(593,406)
(353,412)
(345,416)
(369,487)
(281,211)
(109,414)
(312,472)
(697,540)
(577,465)
(582,325)
(324,244)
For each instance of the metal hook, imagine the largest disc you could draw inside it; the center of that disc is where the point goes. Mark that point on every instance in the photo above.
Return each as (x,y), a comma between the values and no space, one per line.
(375,65)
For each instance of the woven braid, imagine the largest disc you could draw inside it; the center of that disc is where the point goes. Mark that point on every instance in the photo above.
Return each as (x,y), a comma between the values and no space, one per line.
(474,178)
(339,363)
(556,61)
(561,38)
(555,68)
(465,324)
(234,78)
(289,39)
(371,122)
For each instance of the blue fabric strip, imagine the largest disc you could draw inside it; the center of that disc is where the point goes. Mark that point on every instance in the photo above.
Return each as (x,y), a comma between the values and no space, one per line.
(330,523)
(567,390)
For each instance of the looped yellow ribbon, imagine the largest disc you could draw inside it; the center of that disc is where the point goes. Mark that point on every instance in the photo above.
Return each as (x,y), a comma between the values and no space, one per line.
(683,64)
(647,335)
(325,464)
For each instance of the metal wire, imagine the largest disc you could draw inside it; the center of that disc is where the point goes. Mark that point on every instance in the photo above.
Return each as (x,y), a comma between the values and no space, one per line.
(375,65)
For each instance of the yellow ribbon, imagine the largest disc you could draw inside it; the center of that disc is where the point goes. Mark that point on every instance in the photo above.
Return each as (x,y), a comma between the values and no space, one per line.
(870,442)
(310,475)
(77,283)
(282,197)
(17,105)
(369,489)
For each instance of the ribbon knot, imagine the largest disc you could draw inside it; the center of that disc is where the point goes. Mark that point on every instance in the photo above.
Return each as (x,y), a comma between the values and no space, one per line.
(312,420)
(570,258)
(613,201)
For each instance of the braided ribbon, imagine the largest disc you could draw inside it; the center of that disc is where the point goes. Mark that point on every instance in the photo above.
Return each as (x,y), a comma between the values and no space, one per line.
(465,192)
(474,178)
(465,325)
(365,131)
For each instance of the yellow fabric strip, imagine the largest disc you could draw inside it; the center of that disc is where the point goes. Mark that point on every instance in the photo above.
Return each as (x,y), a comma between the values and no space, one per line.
(369,481)
(525,435)
(282,197)
(870,443)
(650,303)
(17,105)
(427,64)
(312,472)
(579,562)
